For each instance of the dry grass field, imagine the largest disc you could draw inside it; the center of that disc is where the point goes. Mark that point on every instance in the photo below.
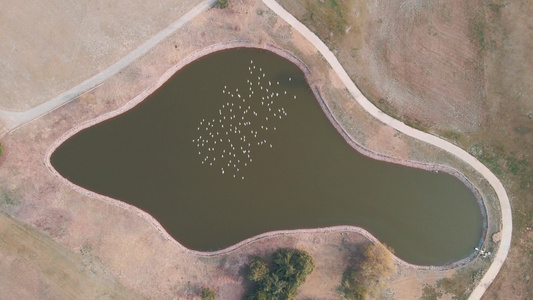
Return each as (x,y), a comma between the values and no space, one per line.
(434,64)
(460,69)
(50,46)
(34,266)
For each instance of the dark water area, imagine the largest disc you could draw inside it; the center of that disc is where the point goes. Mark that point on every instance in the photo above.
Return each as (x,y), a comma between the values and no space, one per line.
(216,159)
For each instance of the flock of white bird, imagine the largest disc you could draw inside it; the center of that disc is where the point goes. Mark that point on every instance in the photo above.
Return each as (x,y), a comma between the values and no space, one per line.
(227,141)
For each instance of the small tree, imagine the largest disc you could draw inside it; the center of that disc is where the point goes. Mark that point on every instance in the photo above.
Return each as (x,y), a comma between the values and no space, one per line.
(367,274)
(258,269)
(1,149)
(293,265)
(208,294)
(223,3)
(289,270)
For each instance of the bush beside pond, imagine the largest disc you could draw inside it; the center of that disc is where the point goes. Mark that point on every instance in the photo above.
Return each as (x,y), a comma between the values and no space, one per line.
(281,280)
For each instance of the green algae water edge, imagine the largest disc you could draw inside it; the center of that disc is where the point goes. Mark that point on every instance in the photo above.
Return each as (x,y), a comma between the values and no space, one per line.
(235,145)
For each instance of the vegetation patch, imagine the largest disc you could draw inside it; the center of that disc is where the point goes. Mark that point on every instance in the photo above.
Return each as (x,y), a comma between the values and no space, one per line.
(505,164)
(208,294)
(430,293)
(452,135)
(476,30)
(326,18)
(459,286)
(223,3)
(368,270)
(281,280)
(386,106)
(8,199)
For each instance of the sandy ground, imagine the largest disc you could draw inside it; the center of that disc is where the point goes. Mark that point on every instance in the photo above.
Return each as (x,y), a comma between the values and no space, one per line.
(131,249)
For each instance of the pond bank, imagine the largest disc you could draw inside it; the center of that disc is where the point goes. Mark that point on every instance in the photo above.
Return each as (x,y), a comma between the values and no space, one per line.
(243,44)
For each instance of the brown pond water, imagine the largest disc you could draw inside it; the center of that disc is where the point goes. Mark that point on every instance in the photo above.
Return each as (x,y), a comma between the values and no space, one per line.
(216,158)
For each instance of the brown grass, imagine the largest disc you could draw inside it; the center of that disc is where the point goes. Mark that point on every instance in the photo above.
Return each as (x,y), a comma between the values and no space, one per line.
(50,46)
(36,267)
(458,69)
(130,249)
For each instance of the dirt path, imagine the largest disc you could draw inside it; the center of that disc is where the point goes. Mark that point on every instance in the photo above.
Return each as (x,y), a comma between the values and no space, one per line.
(13,120)
(505,206)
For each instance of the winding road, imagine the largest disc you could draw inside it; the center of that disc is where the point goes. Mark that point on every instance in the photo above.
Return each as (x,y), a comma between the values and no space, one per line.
(14,120)
(507,225)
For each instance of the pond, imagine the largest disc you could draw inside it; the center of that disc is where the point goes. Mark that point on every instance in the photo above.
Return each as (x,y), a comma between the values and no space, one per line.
(235,144)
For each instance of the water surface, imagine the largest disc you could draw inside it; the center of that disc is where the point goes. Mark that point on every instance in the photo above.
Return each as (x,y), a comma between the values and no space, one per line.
(216,158)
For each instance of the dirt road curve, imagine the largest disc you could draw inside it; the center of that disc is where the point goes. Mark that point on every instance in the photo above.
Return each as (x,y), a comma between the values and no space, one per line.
(505,243)
(13,120)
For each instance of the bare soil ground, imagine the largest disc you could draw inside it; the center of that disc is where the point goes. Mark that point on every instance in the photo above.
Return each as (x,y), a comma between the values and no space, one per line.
(459,69)
(130,249)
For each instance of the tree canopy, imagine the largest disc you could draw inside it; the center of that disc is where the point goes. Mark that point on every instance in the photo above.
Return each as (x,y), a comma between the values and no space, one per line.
(367,272)
(208,294)
(223,3)
(289,269)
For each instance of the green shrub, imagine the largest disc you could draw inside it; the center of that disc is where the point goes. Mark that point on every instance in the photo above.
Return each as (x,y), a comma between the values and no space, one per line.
(208,294)
(257,270)
(223,3)
(366,274)
(289,269)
